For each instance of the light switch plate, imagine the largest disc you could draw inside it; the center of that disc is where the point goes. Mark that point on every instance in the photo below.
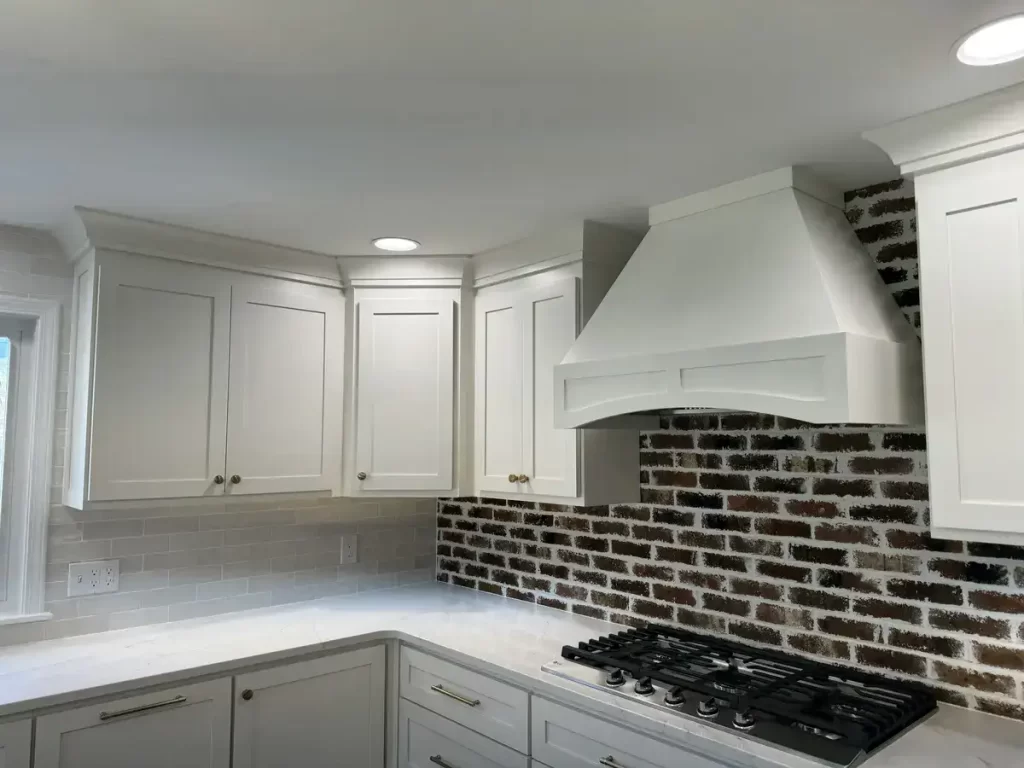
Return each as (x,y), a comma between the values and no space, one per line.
(349,549)
(93,578)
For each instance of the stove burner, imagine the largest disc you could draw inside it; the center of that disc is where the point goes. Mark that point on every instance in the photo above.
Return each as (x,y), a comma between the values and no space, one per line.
(743,720)
(644,686)
(675,698)
(831,713)
(708,708)
(616,678)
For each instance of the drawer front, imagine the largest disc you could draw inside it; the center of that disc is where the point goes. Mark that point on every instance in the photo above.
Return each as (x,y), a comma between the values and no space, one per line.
(571,739)
(497,710)
(427,740)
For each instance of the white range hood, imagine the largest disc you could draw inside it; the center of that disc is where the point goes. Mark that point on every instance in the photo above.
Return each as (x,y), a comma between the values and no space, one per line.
(756,296)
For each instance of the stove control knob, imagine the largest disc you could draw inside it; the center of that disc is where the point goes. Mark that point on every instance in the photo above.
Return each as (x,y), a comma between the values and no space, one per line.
(616,678)
(644,686)
(674,698)
(708,708)
(743,720)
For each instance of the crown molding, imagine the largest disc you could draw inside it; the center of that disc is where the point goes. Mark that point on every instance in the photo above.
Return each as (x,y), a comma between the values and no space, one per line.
(970,130)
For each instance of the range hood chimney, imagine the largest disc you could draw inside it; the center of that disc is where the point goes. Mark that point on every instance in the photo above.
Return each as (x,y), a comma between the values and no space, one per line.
(755,296)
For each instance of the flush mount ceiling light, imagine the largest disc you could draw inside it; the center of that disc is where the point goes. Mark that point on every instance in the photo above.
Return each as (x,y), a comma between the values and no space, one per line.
(395,244)
(994,43)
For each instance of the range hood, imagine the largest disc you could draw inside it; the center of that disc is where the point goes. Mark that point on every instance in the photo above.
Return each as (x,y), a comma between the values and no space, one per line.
(755,296)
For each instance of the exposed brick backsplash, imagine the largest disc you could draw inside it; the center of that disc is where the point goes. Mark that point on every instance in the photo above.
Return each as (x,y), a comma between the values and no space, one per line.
(810,538)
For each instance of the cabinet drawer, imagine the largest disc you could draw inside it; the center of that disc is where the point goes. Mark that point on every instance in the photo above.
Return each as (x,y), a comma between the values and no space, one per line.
(427,740)
(495,709)
(188,727)
(571,739)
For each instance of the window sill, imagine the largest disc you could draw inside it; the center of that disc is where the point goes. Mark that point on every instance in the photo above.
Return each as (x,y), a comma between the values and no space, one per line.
(24,618)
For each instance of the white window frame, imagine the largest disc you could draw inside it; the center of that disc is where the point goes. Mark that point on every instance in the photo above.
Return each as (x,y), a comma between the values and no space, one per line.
(30,480)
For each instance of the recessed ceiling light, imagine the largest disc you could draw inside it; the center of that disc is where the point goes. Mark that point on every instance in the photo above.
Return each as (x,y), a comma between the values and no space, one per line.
(995,43)
(396,244)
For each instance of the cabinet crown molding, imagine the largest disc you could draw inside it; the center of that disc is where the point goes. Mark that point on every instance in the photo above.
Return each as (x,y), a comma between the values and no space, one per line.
(403,271)
(987,125)
(89,229)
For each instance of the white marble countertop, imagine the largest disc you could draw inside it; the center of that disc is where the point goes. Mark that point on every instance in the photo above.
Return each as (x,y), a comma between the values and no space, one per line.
(504,638)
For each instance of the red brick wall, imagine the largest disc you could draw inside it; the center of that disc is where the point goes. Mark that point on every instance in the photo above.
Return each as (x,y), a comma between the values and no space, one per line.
(809,538)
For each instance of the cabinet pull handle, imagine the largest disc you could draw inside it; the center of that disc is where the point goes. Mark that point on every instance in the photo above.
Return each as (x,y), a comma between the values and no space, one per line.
(513,478)
(143,708)
(247,694)
(218,480)
(361,476)
(438,760)
(460,699)
(611,762)
(523,479)
(236,479)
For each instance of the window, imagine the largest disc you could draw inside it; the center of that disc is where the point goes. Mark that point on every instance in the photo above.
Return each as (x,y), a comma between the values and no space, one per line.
(28,364)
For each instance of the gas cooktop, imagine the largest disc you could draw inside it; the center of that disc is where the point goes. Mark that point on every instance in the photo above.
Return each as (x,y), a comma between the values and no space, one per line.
(832,713)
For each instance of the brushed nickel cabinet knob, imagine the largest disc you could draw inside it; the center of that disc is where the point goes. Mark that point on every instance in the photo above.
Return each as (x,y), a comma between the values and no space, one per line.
(523,479)
(236,479)
(247,694)
(218,480)
(361,476)
(513,478)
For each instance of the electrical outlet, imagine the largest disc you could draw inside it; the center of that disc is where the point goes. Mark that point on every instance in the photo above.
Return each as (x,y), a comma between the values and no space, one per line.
(349,549)
(93,578)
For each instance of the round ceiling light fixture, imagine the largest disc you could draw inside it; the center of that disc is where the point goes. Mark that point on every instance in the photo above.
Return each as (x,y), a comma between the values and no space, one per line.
(395,244)
(997,42)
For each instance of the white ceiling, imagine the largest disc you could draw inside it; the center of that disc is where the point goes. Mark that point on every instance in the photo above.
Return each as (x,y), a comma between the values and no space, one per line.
(465,124)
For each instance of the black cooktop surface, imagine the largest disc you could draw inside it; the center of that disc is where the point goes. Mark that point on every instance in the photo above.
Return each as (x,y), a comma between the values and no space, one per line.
(827,711)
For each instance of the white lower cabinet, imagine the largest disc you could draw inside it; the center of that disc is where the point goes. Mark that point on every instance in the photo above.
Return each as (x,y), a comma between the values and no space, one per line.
(566,738)
(185,727)
(322,713)
(426,740)
(16,744)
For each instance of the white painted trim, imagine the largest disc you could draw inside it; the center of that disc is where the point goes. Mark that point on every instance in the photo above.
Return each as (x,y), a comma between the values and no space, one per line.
(539,248)
(793,177)
(402,271)
(24,618)
(46,341)
(980,127)
(101,230)
(527,270)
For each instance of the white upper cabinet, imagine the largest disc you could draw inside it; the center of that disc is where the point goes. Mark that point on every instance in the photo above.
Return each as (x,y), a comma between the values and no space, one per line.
(189,381)
(16,744)
(405,394)
(968,164)
(160,381)
(532,299)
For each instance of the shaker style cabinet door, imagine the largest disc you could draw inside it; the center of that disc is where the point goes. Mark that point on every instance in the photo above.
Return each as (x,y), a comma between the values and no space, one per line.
(160,381)
(972,273)
(323,713)
(549,454)
(16,744)
(184,727)
(285,407)
(405,392)
(500,366)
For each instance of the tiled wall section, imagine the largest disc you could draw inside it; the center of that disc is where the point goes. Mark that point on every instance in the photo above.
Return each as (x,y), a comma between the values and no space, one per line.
(201,558)
(812,539)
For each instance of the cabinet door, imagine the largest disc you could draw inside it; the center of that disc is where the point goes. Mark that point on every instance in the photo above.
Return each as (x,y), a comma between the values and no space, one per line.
(186,727)
(15,744)
(285,406)
(499,363)
(404,395)
(972,290)
(426,740)
(324,713)
(549,454)
(160,381)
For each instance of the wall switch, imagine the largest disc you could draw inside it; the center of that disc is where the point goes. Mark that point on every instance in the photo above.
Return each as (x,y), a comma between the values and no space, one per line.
(349,549)
(94,578)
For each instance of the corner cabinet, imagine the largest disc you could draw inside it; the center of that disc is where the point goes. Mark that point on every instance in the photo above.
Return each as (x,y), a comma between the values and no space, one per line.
(967,162)
(532,299)
(193,381)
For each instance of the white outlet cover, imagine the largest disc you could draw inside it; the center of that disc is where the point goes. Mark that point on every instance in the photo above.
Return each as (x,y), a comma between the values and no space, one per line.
(93,578)
(349,549)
